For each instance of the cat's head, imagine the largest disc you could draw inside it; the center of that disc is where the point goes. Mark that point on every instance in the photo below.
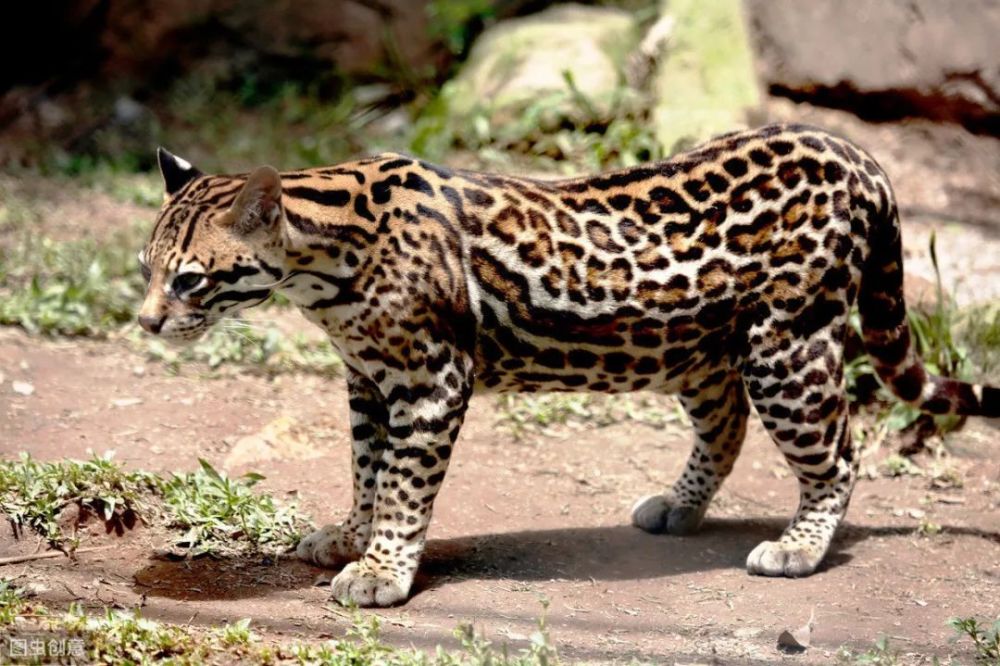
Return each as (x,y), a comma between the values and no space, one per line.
(216,248)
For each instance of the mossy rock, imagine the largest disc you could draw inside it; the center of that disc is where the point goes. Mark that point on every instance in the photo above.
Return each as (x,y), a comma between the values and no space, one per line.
(530,62)
(705,83)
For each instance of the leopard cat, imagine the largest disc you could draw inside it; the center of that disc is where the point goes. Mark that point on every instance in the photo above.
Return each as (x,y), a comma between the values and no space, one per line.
(725,275)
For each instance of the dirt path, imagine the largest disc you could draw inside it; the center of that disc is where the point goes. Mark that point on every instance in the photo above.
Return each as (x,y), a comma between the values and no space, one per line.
(515,522)
(544,518)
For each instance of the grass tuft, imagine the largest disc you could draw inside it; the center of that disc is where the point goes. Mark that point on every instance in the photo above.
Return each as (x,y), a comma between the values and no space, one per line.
(218,514)
(12,603)
(623,139)
(47,497)
(215,514)
(985,639)
(525,414)
(69,288)
(117,636)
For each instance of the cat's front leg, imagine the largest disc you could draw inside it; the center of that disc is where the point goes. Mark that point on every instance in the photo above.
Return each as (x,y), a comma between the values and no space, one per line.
(426,409)
(339,543)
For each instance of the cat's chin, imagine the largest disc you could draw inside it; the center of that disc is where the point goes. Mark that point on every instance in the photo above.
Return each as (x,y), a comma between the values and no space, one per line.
(182,341)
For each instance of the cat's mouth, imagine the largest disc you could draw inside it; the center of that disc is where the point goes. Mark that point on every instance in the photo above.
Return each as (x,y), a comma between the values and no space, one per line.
(179,331)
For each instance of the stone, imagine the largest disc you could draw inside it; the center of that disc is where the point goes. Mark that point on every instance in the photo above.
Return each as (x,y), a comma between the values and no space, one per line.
(884,60)
(520,62)
(705,82)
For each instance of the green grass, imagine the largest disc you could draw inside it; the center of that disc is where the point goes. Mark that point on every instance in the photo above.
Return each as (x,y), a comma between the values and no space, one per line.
(985,638)
(880,654)
(238,343)
(34,495)
(224,125)
(12,603)
(210,512)
(933,332)
(978,331)
(70,288)
(117,637)
(621,140)
(217,513)
(525,414)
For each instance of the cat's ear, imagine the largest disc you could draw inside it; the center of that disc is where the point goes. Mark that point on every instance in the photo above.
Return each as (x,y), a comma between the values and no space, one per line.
(176,171)
(258,205)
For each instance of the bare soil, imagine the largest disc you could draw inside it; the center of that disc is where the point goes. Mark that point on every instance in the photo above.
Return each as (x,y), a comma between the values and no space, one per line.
(518,521)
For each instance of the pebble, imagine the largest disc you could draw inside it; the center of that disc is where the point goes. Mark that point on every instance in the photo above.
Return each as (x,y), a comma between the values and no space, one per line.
(23,388)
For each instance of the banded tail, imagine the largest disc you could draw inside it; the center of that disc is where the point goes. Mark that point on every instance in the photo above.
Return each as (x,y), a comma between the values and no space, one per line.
(886,334)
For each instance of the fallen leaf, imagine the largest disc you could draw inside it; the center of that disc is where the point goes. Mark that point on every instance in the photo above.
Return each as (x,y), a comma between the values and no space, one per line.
(798,640)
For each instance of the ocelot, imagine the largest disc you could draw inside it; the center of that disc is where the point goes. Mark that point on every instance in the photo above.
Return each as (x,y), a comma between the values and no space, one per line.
(725,275)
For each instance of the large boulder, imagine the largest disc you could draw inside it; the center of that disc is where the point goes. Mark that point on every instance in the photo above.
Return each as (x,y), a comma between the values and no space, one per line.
(566,61)
(883,60)
(705,82)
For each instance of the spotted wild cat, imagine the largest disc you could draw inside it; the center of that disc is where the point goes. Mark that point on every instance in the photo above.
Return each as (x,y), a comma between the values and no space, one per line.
(724,275)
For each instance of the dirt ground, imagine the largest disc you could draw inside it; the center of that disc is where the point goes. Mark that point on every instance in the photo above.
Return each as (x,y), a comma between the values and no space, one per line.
(518,521)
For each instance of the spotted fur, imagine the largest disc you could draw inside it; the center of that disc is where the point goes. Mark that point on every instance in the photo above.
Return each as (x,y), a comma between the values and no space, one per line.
(724,275)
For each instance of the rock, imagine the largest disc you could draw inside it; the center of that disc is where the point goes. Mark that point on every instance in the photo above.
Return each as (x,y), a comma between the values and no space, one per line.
(518,62)
(705,83)
(281,439)
(22,388)
(882,60)
(356,37)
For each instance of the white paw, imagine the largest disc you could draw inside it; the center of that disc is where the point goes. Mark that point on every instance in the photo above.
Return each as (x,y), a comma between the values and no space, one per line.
(328,546)
(360,585)
(655,514)
(774,558)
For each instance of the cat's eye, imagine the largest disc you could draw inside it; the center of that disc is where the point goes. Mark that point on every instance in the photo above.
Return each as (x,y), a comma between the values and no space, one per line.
(185,282)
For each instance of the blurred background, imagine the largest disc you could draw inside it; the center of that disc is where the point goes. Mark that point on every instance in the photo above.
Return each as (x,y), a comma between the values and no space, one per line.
(303,82)
(89,88)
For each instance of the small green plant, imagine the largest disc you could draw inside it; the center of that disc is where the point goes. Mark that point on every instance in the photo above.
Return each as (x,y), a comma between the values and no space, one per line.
(35,494)
(878,655)
(12,603)
(543,132)
(979,332)
(69,288)
(236,342)
(237,633)
(928,528)
(526,414)
(216,514)
(935,343)
(986,639)
(220,514)
(897,465)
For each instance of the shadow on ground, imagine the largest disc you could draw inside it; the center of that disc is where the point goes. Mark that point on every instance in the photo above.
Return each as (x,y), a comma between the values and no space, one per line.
(598,553)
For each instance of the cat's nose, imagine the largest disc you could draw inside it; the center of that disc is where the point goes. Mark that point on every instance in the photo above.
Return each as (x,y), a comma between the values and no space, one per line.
(152,324)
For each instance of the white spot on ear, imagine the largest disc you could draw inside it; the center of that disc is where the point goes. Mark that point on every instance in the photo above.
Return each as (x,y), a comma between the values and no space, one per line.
(183,163)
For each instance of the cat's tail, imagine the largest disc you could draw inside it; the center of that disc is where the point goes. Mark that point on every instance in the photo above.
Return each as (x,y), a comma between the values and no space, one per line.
(887,339)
